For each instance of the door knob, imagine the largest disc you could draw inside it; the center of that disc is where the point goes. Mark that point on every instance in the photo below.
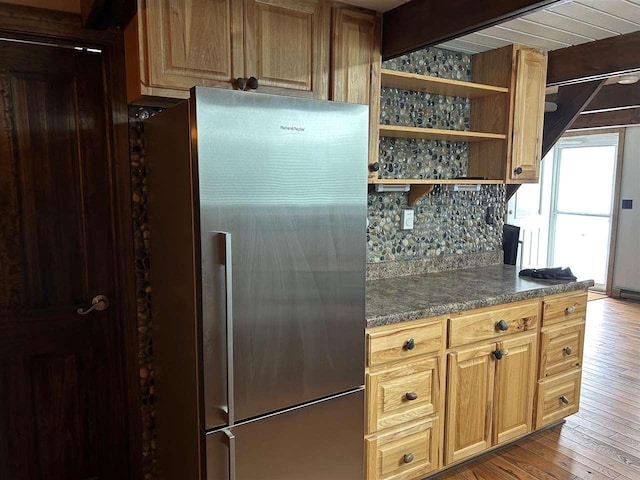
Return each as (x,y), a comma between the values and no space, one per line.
(570,310)
(98,303)
(517,170)
(411,396)
(567,350)
(407,458)
(409,344)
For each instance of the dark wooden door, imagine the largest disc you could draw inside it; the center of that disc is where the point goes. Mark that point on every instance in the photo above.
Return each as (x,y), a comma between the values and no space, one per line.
(62,413)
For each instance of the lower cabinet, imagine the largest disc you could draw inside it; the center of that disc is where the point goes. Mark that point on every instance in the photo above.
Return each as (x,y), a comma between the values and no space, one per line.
(562,344)
(515,387)
(508,370)
(470,377)
(489,395)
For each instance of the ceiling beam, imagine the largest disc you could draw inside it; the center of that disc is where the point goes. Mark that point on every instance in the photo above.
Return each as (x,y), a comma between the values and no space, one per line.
(594,60)
(615,97)
(107,13)
(422,23)
(611,119)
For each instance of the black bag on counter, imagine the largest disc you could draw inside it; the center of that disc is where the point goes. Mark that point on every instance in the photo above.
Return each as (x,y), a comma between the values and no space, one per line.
(557,273)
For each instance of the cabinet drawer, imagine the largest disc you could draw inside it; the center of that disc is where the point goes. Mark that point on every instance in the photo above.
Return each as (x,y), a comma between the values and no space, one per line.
(404,394)
(465,328)
(563,308)
(558,397)
(562,347)
(405,454)
(390,346)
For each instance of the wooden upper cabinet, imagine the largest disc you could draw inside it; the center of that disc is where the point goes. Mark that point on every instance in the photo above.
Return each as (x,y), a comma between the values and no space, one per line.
(528,116)
(287,46)
(523,71)
(355,54)
(356,35)
(193,40)
(173,45)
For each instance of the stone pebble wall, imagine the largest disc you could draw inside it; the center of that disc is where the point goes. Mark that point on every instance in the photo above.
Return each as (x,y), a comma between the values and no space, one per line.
(141,236)
(446,223)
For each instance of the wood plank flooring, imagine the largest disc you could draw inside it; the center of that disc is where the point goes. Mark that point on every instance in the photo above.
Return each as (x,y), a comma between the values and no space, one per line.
(601,441)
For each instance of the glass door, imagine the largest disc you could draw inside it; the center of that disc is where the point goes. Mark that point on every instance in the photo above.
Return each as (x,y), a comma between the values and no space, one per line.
(581,205)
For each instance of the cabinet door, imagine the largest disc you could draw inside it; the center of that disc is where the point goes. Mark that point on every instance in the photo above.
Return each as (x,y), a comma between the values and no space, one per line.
(286,46)
(469,402)
(192,43)
(355,64)
(514,388)
(354,51)
(531,79)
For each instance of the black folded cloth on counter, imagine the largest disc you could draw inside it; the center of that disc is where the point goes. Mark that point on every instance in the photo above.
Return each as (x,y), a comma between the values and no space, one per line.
(557,273)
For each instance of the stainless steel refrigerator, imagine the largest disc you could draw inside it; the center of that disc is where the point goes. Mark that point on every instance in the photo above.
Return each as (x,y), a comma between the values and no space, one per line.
(257,210)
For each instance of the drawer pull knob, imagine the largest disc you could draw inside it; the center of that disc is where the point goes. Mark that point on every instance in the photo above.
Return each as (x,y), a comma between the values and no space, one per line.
(411,396)
(567,351)
(409,344)
(502,352)
(241,83)
(502,326)
(570,310)
(252,83)
(407,458)
(564,400)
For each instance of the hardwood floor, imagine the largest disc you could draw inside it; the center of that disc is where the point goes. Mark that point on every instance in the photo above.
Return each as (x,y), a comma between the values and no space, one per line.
(600,442)
(592,295)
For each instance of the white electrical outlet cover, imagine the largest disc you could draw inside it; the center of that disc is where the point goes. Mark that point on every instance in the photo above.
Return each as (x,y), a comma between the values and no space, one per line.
(407,219)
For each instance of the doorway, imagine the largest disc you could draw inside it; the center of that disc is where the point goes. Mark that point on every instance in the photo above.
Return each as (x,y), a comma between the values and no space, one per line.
(566,219)
(67,326)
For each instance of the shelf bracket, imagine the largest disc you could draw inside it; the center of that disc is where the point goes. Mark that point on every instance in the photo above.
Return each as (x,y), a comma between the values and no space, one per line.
(419,191)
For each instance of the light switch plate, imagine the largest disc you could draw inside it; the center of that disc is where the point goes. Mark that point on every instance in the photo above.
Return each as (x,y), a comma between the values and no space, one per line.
(407,219)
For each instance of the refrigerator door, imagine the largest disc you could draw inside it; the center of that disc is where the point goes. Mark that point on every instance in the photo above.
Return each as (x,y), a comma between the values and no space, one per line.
(285,179)
(320,441)
(217,456)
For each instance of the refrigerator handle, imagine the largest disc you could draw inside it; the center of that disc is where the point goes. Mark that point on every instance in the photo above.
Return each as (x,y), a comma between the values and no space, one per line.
(232,454)
(228,286)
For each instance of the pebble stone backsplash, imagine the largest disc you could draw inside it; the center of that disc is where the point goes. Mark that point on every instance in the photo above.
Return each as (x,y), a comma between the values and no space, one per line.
(446,223)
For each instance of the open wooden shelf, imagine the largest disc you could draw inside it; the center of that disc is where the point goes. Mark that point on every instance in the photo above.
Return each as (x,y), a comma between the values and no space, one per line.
(439,86)
(396,131)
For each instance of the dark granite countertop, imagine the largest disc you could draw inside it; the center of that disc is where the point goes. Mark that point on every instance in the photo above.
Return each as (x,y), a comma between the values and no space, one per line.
(398,299)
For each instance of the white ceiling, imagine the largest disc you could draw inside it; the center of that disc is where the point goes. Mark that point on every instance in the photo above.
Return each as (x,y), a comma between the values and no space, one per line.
(559,26)
(562,25)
